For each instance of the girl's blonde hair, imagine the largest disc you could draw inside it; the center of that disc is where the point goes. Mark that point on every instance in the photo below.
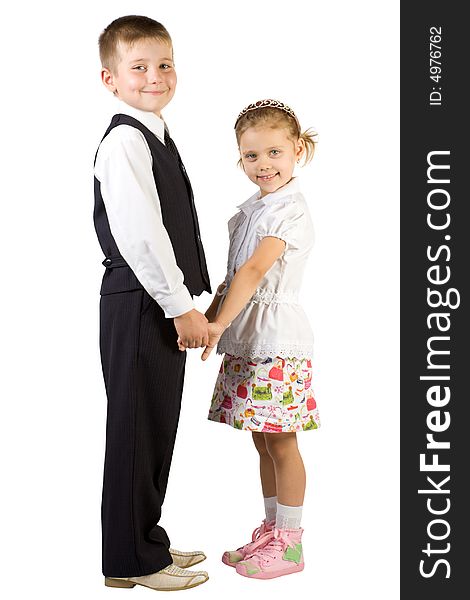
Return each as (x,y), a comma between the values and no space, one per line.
(275,114)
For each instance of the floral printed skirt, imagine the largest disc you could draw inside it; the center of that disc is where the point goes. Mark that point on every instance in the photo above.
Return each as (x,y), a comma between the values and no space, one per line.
(272,396)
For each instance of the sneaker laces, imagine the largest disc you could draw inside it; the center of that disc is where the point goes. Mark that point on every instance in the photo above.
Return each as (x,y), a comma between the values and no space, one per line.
(261,535)
(259,531)
(261,541)
(279,541)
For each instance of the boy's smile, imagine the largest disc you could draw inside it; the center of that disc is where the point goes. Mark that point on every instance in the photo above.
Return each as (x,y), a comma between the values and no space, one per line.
(268,156)
(145,76)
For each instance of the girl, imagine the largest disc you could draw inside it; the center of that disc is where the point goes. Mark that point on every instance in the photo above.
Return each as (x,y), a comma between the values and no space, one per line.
(264,383)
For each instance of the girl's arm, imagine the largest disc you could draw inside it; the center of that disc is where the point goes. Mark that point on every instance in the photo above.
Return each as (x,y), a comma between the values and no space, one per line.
(243,286)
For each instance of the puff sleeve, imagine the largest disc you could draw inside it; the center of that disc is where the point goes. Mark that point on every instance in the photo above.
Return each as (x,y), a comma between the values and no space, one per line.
(283,221)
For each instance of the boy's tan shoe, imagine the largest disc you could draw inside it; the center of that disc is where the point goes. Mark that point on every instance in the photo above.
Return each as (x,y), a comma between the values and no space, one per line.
(186,559)
(171,578)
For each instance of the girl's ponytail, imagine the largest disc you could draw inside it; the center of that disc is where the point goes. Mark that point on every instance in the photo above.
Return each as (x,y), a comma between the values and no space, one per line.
(309,137)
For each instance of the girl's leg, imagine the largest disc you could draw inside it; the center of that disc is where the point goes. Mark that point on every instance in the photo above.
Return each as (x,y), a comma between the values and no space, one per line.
(282,553)
(268,484)
(266,466)
(290,478)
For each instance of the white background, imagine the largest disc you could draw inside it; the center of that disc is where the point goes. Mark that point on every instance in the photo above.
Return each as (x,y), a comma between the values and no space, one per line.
(336,64)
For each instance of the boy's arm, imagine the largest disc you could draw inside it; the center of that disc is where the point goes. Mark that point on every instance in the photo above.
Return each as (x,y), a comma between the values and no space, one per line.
(243,286)
(124,169)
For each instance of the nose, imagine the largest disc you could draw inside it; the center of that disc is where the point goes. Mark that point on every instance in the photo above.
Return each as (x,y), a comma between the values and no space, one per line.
(264,165)
(154,75)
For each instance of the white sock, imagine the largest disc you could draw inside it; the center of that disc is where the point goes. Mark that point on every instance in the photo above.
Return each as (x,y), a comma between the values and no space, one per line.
(270,505)
(288,517)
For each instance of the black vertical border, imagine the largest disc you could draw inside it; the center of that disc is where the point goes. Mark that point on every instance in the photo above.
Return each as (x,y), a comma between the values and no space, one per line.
(424,129)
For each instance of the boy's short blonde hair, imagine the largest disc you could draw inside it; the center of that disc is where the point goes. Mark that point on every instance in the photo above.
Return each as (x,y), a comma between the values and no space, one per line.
(128,30)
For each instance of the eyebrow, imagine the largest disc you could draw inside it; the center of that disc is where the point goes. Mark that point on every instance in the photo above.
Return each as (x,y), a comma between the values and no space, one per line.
(269,148)
(134,60)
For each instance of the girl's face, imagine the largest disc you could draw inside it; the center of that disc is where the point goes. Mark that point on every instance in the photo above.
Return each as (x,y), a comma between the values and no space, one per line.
(268,156)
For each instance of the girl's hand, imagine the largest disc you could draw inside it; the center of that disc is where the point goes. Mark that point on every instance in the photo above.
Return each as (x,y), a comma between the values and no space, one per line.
(215,331)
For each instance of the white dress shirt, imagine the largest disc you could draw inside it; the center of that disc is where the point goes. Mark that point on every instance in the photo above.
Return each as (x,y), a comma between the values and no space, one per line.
(124,169)
(272,323)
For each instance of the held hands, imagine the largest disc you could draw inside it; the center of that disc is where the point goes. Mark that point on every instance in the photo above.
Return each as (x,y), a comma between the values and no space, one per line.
(215,331)
(192,330)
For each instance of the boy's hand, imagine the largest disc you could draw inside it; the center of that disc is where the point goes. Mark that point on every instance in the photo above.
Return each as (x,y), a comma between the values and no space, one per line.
(215,331)
(192,330)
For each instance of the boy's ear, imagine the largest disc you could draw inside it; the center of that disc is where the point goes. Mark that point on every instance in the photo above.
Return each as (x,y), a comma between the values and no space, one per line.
(108,79)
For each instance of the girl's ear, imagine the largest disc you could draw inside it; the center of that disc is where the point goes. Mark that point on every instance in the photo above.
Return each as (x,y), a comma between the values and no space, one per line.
(299,149)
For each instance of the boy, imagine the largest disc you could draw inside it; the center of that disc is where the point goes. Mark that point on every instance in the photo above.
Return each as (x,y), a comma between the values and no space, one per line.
(147,227)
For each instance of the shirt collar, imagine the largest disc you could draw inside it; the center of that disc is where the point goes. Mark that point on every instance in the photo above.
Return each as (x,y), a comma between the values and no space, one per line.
(255,202)
(149,119)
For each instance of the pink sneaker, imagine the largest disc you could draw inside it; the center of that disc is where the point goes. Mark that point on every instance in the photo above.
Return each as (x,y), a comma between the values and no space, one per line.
(282,555)
(261,535)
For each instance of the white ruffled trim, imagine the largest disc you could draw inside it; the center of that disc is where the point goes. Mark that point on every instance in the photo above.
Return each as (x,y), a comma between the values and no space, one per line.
(264,296)
(284,350)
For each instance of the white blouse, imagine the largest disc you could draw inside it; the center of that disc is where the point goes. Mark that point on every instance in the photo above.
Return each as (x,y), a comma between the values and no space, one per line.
(272,323)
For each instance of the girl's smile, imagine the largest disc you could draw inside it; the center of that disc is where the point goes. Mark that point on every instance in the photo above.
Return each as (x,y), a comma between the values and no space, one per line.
(267,177)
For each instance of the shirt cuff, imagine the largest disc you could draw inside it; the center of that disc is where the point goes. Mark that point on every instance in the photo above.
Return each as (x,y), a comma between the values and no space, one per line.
(177,304)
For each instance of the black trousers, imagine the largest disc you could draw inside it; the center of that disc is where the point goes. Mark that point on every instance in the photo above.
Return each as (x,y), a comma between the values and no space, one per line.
(143,373)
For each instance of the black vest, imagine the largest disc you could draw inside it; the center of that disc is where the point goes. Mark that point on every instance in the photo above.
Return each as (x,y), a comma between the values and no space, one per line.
(179,218)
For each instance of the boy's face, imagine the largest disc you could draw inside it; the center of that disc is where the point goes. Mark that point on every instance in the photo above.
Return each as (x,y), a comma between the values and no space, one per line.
(145,76)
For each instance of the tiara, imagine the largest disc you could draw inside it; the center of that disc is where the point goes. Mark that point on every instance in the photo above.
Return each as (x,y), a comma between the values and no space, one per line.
(271,104)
